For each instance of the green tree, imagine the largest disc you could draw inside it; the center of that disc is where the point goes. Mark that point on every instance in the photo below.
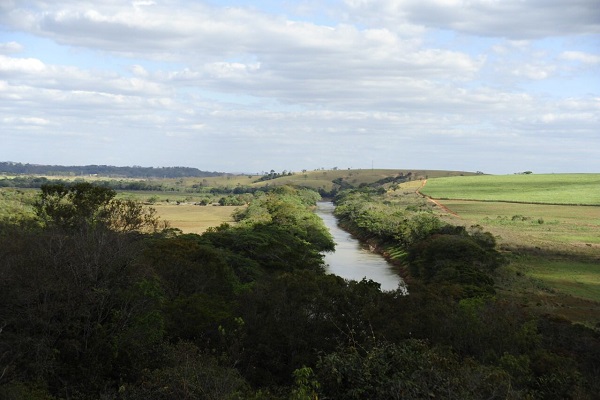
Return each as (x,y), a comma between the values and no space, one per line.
(84,205)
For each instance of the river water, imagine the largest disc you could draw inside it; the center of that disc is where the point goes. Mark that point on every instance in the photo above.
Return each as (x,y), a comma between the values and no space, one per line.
(351,260)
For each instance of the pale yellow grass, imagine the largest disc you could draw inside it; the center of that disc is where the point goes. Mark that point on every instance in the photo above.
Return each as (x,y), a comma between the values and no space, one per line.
(194,219)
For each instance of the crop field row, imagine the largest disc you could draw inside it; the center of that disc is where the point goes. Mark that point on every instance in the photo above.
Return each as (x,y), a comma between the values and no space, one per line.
(573,189)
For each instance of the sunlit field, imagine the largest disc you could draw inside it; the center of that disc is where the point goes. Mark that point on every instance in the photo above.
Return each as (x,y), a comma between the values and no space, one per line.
(532,188)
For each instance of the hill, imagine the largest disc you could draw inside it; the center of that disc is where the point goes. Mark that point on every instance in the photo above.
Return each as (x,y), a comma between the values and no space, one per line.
(327,180)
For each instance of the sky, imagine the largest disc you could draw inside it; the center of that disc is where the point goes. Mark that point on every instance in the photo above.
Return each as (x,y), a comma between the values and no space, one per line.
(498,86)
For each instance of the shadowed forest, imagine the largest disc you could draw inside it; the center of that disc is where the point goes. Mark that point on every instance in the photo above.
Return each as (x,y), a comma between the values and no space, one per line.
(99,298)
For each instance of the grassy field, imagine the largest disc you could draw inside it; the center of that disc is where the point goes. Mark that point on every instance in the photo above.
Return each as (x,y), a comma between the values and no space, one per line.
(548,189)
(565,228)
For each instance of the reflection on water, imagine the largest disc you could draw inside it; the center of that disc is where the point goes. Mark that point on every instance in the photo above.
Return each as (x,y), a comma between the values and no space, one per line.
(350,259)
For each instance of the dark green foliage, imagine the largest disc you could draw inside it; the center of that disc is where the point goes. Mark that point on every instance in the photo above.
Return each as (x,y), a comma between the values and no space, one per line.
(580,351)
(456,258)
(452,258)
(199,286)
(341,184)
(187,373)
(68,303)
(408,370)
(287,317)
(187,265)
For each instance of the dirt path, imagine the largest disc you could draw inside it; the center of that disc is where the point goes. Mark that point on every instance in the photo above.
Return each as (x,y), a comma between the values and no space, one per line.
(437,203)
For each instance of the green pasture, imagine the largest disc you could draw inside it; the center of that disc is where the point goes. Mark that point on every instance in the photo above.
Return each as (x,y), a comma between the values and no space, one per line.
(532,188)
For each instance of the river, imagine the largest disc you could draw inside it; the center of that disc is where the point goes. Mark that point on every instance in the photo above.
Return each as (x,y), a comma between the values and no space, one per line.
(351,260)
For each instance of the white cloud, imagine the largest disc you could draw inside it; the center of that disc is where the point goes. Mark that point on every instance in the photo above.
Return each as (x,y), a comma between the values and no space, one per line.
(585,58)
(20,65)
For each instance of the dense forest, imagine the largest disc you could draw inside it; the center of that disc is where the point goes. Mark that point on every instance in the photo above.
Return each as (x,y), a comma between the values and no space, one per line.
(15,168)
(101,300)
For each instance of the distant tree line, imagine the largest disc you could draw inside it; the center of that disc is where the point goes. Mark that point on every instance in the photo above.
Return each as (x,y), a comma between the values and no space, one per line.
(274,175)
(104,170)
(36,182)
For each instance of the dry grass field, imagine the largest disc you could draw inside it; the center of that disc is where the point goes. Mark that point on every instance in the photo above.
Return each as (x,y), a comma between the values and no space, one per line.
(194,219)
